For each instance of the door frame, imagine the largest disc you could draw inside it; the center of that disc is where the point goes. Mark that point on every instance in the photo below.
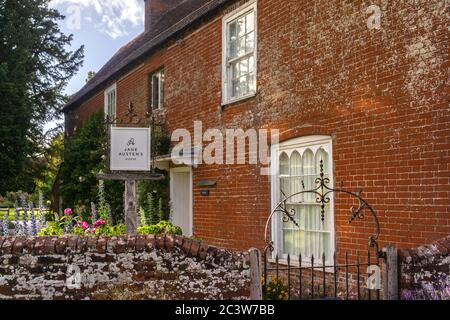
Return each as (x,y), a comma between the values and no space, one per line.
(191,195)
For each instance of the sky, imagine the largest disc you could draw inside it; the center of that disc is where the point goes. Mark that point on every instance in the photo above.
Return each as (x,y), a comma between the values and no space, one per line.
(103,27)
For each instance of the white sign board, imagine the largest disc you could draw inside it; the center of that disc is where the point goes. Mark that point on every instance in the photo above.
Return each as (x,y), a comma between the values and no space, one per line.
(130,149)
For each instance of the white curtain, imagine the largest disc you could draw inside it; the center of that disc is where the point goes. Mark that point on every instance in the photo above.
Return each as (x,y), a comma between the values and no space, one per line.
(313,236)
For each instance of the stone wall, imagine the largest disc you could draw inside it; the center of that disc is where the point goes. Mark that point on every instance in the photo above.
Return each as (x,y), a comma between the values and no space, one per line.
(94,267)
(425,272)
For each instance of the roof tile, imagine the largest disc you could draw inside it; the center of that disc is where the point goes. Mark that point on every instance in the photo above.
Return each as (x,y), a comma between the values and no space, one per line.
(175,20)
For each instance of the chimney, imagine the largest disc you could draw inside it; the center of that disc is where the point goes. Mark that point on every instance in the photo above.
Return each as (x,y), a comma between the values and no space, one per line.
(154,9)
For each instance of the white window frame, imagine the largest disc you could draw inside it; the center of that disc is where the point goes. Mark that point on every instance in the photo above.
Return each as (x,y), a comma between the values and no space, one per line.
(161,81)
(106,100)
(313,143)
(226,70)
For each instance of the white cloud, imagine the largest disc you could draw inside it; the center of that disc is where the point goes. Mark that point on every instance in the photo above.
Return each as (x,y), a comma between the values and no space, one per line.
(114,17)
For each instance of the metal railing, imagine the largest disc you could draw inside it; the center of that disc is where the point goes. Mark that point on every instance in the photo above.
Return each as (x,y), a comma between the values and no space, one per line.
(322,279)
(343,277)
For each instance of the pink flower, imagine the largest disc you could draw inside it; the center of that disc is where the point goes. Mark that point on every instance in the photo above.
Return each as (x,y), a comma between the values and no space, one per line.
(68,212)
(91,230)
(84,225)
(99,223)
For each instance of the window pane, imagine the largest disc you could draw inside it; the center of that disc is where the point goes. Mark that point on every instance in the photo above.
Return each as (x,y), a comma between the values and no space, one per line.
(243,67)
(296,171)
(161,89)
(235,89)
(155,91)
(232,40)
(251,63)
(284,164)
(241,50)
(288,244)
(284,175)
(314,236)
(252,83)
(243,85)
(113,103)
(240,26)
(249,42)
(309,175)
(235,73)
(233,49)
(250,22)
(322,155)
(240,42)
(232,32)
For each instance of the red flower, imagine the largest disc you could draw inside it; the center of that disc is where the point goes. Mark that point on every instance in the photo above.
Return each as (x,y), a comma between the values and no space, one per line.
(99,223)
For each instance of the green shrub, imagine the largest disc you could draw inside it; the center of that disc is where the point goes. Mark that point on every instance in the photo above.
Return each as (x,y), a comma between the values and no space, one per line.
(112,231)
(154,200)
(276,289)
(163,227)
(53,229)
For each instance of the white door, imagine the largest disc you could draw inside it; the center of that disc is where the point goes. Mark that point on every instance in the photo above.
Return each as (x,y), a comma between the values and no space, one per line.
(181,198)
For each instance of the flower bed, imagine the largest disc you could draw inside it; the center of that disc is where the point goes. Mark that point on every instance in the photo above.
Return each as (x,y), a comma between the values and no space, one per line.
(33,222)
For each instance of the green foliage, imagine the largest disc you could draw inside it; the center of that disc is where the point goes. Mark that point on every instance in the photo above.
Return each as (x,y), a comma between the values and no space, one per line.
(142,221)
(35,67)
(161,213)
(91,74)
(163,227)
(83,159)
(152,214)
(276,289)
(160,141)
(103,206)
(154,200)
(78,231)
(154,195)
(113,231)
(52,160)
(53,229)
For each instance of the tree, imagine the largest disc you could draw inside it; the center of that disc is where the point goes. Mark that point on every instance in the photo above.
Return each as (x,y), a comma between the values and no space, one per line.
(35,67)
(83,158)
(52,158)
(91,74)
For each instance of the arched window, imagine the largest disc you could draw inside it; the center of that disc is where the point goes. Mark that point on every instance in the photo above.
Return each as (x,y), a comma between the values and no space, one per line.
(284,174)
(299,162)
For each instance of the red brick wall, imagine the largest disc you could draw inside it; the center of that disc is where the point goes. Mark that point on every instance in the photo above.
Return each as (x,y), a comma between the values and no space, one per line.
(381,94)
(75,118)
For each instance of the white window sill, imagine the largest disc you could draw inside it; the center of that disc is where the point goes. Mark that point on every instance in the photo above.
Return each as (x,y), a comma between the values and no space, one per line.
(305,264)
(228,102)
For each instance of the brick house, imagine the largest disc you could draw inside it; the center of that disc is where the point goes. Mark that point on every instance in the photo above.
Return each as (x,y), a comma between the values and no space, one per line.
(367,96)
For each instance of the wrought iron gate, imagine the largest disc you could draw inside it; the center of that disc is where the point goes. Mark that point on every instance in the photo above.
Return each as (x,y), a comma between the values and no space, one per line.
(357,277)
